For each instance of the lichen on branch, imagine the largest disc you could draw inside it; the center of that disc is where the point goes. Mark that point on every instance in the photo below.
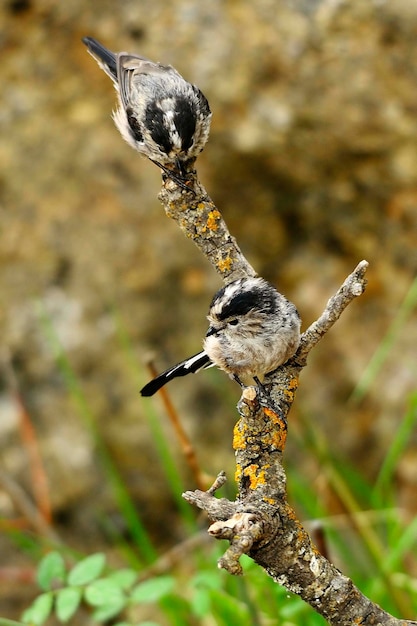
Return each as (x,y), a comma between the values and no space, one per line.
(260,522)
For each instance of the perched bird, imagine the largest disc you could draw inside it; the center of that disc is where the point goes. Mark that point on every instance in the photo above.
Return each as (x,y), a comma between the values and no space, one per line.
(253,329)
(160,114)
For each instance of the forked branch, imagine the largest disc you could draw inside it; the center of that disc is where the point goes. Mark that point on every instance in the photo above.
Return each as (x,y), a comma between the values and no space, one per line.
(260,522)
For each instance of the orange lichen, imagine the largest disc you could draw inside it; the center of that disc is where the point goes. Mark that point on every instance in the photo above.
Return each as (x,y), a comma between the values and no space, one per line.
(212,219)
(256,476)
(238,472)
(291,389)
(225,265)
(315,550)
(278,436)
(291,515)
(274,417)
(239,436)
(275,439)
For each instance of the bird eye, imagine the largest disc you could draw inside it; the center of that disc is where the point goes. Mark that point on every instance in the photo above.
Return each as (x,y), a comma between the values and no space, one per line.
(234,322)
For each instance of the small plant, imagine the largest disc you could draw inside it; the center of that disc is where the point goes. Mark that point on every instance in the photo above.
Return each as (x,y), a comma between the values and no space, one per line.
(107,594)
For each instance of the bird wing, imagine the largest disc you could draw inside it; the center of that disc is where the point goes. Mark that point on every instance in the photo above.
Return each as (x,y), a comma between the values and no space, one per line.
(130,68)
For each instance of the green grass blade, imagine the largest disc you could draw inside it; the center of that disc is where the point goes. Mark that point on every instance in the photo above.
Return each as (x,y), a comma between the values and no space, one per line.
(406,541)
(381,353)
(400,442)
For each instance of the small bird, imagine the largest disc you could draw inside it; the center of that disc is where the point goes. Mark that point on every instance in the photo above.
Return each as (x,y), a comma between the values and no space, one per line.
(160,114)
(253,329)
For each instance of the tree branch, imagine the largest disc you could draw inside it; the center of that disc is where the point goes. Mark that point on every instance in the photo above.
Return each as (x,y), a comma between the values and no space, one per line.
(260,522)
(353,287)
(200,220)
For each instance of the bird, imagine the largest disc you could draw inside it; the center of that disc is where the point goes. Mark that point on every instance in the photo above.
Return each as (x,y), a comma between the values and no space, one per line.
(253,329)
(160,114)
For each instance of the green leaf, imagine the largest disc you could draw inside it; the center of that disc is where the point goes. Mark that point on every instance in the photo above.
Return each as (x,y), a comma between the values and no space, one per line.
(11,622)
(87,570)
(40,610)
(124,578)
(109,610)
(152,590)
(107,596)
(50,569)
(103,592)
(67,602)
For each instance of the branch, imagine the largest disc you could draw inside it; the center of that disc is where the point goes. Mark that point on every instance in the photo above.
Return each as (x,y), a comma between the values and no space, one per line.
(265,527)
(260,522)
(353,287)
(200,220)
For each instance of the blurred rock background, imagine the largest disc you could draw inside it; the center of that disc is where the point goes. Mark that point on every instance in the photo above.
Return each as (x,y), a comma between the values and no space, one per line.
(312,160)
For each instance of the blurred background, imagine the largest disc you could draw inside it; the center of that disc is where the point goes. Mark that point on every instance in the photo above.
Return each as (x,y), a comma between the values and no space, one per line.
(312,161)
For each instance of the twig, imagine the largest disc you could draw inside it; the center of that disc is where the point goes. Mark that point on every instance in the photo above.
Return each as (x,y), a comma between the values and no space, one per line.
(184,441)
(24,505)
(40,516)
(353,287)
(200,220)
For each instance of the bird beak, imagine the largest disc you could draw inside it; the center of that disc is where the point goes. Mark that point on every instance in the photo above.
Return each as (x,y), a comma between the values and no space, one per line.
(211,331)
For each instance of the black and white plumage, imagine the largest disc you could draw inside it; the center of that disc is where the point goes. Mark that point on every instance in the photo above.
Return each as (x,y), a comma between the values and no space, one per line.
(253,330)
(160,114)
